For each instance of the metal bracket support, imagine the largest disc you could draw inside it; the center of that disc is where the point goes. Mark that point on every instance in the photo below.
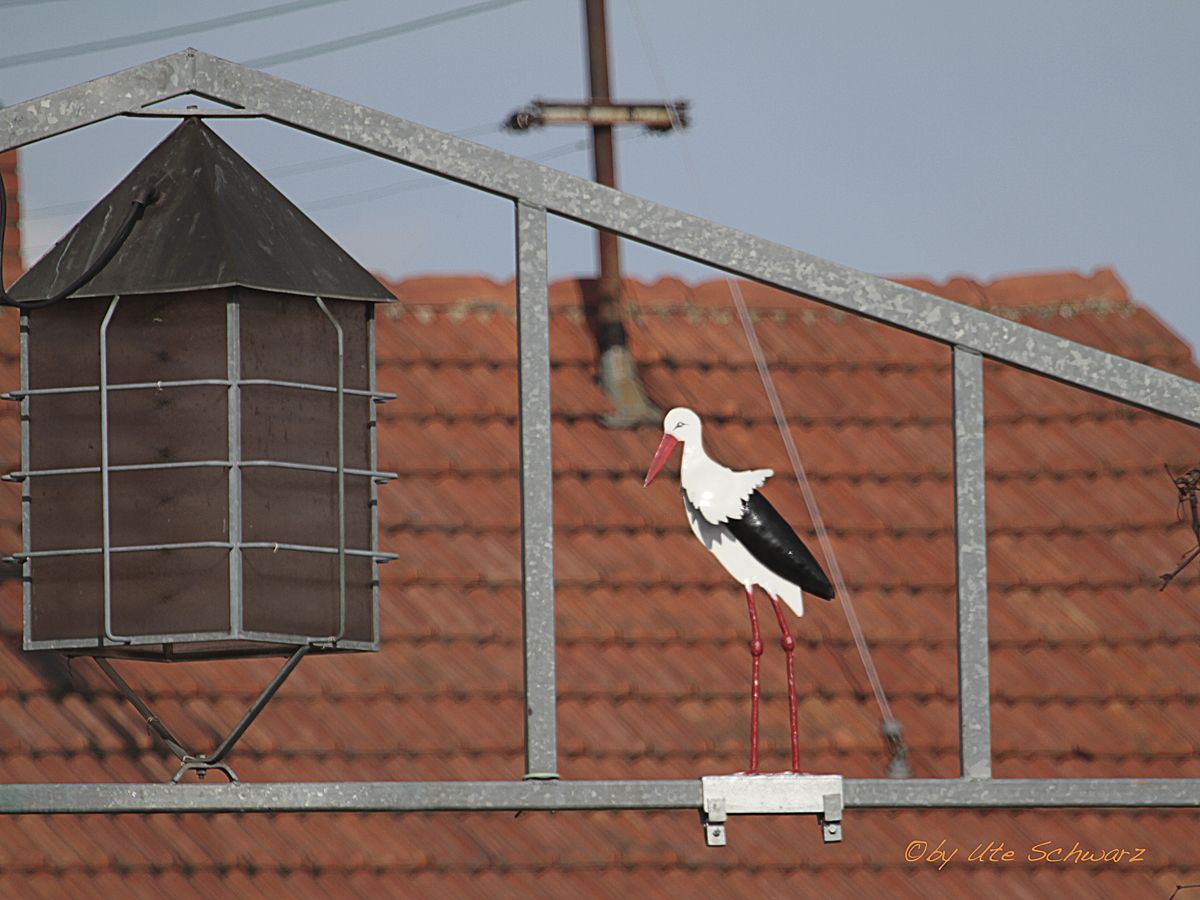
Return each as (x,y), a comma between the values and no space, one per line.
(783,793)
(831,818)
(202,763)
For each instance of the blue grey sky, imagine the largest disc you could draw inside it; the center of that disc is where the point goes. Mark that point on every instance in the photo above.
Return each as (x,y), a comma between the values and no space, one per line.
(929,137)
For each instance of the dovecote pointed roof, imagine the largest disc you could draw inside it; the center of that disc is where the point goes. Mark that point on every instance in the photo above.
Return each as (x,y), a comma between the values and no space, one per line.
(217,222)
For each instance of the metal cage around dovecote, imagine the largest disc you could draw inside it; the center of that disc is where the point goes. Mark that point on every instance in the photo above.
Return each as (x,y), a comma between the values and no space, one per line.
(198,460)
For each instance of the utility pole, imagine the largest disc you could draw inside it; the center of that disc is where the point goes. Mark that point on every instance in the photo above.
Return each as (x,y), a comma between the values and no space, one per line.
(609,318)
(604,309)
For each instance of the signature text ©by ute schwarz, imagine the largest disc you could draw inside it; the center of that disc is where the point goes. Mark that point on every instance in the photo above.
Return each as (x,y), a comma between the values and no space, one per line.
(941,853)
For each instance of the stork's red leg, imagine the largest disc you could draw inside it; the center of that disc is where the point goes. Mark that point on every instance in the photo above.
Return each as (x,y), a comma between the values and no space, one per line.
(756,651)
(789,648)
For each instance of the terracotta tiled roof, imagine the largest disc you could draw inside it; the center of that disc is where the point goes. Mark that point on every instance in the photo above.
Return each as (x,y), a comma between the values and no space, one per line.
(1094,672)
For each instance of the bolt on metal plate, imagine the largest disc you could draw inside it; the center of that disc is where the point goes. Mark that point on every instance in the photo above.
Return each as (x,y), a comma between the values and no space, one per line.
(783,793)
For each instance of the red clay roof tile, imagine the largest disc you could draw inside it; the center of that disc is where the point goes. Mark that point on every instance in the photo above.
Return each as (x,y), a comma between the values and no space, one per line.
(1094,672)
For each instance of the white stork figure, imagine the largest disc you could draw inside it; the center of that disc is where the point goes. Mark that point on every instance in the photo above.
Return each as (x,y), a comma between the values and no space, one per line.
(751,540)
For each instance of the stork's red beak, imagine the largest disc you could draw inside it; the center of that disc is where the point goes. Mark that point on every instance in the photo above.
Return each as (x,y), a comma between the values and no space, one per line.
(661,455)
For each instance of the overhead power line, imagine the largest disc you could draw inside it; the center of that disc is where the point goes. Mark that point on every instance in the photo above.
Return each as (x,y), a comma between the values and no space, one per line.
(56,209)
(377,34)
(353,197)
(417,184)
(338,160)
(348,199)
(158,34)
(337,200)
(334,161)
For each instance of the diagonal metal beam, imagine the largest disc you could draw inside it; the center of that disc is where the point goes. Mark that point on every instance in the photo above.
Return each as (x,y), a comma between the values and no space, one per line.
(94,101)
(575,198)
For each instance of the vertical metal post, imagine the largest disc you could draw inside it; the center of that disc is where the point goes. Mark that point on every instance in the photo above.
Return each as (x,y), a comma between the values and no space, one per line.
(373,464)
(26,486)
(341,467)
(105,511)
(970,528)
(233,351)
(537,513)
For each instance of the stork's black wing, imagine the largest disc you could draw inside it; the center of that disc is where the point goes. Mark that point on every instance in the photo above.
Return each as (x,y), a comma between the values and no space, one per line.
(771,541)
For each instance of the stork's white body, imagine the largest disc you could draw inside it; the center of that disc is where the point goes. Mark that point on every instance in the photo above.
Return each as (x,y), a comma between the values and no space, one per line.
(712,495)
(752,543)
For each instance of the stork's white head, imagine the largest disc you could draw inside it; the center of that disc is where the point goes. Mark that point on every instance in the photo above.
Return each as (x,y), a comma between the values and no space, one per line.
(679,426)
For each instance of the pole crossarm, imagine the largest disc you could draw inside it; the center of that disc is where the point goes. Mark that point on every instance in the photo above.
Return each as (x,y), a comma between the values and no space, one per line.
(655,116)
(512,796)
(583,201)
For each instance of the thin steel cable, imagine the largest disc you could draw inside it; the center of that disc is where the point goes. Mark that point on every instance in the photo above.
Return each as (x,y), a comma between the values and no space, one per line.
(377,34)
(159,34)
(764,372)
(387,190)
(810,500)
(287,170)
(418,184)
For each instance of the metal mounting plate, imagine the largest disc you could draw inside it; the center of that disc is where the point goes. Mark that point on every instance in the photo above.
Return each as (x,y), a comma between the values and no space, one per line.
(785,792)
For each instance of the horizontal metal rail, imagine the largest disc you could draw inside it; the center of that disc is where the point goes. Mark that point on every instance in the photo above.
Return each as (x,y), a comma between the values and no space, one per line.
(201,545)
(22,474)
(135,548)
(1027,793)
(86,646)
(313,548)
(313,467)
(95,388)
(193,114)
(377,396)
(503,796)
(83,644)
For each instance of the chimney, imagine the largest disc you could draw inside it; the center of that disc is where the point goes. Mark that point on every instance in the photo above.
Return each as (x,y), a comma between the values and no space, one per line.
(12,234)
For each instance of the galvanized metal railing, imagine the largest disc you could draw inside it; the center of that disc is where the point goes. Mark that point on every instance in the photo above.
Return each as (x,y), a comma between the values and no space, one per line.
(536,191)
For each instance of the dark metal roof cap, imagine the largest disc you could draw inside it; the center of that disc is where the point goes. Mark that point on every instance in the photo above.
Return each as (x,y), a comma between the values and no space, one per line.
(217,222)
